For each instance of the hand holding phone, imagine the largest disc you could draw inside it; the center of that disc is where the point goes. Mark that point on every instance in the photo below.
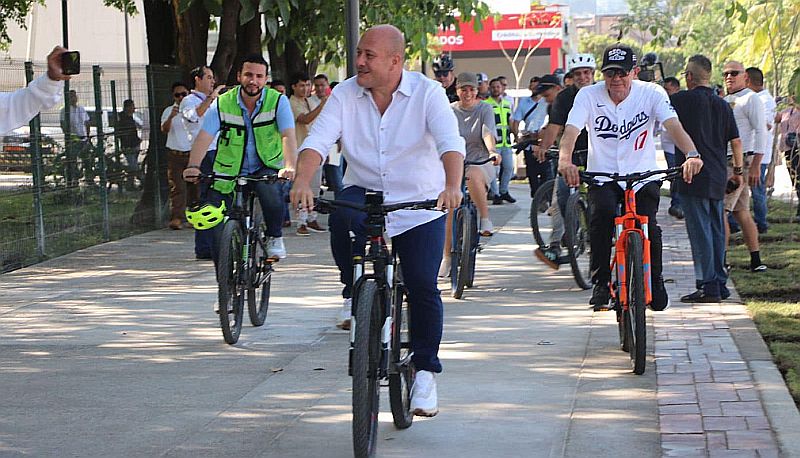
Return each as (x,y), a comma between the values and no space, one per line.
(71,63)
(55,68)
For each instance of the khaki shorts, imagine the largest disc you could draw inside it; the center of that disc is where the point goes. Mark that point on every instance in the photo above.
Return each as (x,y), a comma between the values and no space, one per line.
(739,199)
(488,170)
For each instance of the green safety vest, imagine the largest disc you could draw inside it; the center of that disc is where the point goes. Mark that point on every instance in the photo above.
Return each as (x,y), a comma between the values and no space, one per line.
(502,119)
(233,136)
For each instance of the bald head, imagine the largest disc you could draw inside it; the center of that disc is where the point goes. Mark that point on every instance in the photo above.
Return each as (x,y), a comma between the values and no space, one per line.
(389,36)
(734,65)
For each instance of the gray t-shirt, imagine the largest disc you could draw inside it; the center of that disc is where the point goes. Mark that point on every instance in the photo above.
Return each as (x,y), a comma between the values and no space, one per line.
(470,126)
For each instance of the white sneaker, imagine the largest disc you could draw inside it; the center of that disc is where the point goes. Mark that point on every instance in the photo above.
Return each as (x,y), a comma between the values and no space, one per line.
(275,248)
(444,267)
(424,402)
(345,314)
(487,228)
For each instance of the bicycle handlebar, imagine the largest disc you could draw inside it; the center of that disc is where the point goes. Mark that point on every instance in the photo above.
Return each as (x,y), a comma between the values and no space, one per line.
(590,177)
(266,178)
(327,205)
(481,162)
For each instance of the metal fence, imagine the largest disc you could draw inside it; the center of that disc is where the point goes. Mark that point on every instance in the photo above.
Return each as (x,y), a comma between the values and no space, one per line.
(59,191)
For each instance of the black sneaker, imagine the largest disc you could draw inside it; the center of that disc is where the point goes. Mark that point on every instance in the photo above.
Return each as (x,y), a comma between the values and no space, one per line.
(497,200)
(700,297)
(660,296)
(676,212)
(507,197)
(724,292)
(693,297)
(549,255)
(600,297)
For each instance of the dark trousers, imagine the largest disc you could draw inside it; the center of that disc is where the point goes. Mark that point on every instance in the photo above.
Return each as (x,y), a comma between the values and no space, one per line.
(603,201)
(204,240)
(333,178)
(420,252)
(537,172)
(793,164)
(271,199)
(181,193)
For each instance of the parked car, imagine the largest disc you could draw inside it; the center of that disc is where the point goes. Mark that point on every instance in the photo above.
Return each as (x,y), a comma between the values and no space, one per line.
(16,153)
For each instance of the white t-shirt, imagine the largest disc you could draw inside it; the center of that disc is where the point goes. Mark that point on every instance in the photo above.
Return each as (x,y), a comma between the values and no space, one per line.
(77,121)
(621,136)
(769,116)
(176,129)
(748,111)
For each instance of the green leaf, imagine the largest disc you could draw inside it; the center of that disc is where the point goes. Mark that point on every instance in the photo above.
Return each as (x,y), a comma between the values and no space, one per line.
(272,25)
(214,7)
(248,11)
(184,5)
(285,8)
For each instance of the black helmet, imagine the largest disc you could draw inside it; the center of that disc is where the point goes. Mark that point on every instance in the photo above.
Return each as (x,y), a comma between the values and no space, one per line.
(443,63)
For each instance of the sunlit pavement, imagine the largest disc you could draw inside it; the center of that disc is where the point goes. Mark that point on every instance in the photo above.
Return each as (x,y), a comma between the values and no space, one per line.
(116,351)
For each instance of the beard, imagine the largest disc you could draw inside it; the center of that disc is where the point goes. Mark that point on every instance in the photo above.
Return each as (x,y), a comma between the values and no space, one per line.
(254,93)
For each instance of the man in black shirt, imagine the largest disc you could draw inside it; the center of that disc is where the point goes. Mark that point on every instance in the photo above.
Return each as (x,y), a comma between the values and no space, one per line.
(710,123)
(581,68)
(443,72)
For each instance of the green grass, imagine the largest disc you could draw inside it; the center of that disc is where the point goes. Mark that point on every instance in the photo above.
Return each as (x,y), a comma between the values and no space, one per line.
(73,219)
(773,297)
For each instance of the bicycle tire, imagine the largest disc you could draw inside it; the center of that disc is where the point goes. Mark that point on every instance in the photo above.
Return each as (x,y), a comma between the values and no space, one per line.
(455,248)
(400,383)
(473,253)
(541,223)
(624,343)
(576,227)
(260,284)
(366,358)
(637,324)
(231,288)
(465,247)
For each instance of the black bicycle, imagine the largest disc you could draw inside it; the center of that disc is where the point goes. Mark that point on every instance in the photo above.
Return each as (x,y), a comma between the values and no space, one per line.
(243,267)
(379,327)
(466,238)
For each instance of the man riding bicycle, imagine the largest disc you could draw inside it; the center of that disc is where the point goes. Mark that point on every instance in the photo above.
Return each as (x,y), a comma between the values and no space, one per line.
(619,114)
(400,137)
(582,67)
(256,137)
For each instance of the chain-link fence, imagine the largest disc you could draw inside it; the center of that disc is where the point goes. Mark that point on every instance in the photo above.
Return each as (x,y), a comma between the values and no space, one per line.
(93,173)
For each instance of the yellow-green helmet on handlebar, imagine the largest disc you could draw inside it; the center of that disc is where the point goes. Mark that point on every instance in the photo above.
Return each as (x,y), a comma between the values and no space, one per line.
(204,216)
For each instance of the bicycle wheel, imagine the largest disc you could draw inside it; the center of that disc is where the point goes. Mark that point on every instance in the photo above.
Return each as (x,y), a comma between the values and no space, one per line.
(231,286)
(624,344)
(576,226)
(260,282)
(459,278)
(400,383)
(541,221)
(366,358)
(473,252)
(636,325)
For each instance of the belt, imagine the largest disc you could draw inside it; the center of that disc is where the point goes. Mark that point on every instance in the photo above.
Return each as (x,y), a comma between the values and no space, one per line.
(182,153)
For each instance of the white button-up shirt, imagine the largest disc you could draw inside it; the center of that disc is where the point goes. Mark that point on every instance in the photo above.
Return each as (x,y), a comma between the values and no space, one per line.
(20,106)
(621,136)
(398,153)
(191,122)
(748,110)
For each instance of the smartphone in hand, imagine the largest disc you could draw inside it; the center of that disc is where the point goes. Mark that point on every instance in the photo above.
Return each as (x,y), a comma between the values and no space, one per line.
(71,63)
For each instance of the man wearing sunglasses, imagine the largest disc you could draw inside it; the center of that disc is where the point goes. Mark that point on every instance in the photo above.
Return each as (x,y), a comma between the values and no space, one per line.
(180,192)
(443,72)
(748,110)
(619,114)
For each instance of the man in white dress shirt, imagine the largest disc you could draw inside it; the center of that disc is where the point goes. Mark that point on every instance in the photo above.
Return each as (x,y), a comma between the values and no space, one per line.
(619,113)
(401,138)
(44,92)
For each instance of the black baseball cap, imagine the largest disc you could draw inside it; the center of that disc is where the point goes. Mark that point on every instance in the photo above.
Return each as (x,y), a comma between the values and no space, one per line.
(546,82)
(619,56)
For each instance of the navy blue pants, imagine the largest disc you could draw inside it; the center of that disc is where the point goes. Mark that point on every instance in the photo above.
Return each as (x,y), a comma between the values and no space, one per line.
(420,252)
(204,240)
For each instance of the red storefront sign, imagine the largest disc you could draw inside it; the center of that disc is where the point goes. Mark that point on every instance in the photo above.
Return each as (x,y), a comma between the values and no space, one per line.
(532,28)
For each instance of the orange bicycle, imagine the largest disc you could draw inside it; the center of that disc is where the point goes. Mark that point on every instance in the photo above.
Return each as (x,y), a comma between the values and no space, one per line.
(631,287)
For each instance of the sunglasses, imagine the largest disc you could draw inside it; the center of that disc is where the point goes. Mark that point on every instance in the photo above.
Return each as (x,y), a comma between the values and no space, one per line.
(612,72)
(441,73)
(733,73)
(180,94)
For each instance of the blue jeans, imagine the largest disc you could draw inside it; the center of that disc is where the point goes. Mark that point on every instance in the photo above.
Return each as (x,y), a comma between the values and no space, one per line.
(506,168)
(333,177)
(673,194)
(706,230)
(204,240)
(420,252)
(760,200)
(272,205)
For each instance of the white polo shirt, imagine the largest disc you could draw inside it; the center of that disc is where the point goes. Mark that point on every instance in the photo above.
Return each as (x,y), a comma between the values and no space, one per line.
(176,137)
(398,152)
(621,136)
(748,111)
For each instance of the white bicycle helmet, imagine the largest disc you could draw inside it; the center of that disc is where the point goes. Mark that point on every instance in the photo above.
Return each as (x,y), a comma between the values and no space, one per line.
(581,61)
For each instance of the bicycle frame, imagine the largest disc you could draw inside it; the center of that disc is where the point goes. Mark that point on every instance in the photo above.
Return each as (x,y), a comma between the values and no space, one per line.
(625,224)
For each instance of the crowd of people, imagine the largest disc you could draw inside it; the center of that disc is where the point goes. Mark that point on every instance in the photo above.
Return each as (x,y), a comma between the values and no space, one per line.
(408,136)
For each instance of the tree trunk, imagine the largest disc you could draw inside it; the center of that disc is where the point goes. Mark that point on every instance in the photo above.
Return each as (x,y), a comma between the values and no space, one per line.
(292,61)
(248,41)
(192,27)
(159,19)
(225,54)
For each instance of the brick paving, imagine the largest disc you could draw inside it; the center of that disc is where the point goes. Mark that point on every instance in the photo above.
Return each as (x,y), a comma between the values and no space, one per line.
(708,404)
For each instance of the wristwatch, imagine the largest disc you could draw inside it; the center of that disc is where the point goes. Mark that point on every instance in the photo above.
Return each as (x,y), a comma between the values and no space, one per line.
(738,171)
(692,155)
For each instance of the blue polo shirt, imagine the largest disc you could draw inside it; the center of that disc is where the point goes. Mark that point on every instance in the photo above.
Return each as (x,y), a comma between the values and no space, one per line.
(284,118)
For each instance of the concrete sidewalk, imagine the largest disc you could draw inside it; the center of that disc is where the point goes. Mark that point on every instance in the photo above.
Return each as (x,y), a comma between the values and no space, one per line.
(115,351)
